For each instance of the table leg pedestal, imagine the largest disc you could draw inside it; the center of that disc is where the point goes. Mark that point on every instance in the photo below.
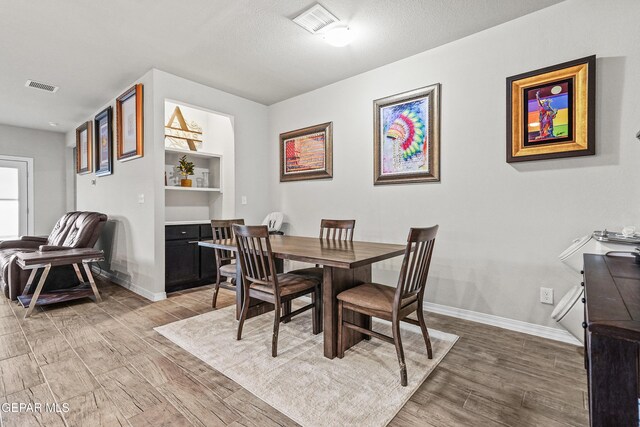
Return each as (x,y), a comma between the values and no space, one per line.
(336,280)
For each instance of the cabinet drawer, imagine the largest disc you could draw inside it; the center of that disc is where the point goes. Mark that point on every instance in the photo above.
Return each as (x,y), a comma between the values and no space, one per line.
(179,232)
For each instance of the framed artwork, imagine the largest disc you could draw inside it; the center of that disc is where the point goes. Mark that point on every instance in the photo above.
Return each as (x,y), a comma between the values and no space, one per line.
(551,112)
(307,153)
(129,124)
(406,137)
(178,133)
(102,124)
(83,148)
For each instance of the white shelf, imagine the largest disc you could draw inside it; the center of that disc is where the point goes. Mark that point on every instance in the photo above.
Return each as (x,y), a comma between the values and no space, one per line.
(205,189)
(192,153)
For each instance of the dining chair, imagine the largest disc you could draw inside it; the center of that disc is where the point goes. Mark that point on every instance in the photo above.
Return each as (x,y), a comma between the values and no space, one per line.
(391,304)
(330,229)
(261,281)
(225,260)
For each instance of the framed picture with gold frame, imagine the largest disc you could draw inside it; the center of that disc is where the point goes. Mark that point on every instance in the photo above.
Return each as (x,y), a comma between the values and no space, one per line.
(307,153)
(129,124)
(551,112)
(83,149)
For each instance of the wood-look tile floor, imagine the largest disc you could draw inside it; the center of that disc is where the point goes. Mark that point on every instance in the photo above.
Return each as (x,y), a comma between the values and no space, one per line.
(112,369)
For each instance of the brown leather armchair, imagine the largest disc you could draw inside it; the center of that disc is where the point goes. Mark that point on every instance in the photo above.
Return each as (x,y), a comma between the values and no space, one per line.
(73,230)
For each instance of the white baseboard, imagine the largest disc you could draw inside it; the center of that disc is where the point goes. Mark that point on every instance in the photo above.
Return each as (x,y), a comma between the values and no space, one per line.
(490,319)
(152,296)
(505,323)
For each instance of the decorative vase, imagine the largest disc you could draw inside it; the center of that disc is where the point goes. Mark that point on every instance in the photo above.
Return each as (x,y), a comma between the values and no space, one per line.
(205,179)
(186,183)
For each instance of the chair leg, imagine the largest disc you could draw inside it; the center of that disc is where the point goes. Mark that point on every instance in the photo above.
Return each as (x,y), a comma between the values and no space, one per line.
(243,313)
(286,309)
(425,332)
(216,289)
(398,342)
(316,311)
(340,331)
(276,327)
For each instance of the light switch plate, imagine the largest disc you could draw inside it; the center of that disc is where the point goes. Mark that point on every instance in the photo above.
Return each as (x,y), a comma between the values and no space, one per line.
(243,200)
(140,198)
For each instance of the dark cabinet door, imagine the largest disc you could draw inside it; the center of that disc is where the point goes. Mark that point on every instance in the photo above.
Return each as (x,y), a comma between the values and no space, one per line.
(182,263)
(207,264)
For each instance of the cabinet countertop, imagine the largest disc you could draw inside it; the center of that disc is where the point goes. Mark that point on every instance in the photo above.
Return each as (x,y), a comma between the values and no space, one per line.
(197,222)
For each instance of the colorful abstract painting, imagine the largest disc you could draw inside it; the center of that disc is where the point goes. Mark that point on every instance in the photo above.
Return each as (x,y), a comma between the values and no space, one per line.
(406,140)
(307,153)
(549,113)
(405,147)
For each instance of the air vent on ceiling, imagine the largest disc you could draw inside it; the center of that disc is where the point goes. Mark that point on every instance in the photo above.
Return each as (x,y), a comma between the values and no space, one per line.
(315,19)
(42,86)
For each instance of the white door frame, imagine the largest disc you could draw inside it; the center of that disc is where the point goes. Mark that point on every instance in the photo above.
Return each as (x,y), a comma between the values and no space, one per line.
(30,191)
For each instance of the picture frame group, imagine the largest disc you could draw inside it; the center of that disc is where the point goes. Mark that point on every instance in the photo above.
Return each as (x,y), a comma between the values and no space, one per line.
(94,139)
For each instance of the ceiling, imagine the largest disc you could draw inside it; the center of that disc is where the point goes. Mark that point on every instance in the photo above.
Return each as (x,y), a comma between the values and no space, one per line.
(92,49)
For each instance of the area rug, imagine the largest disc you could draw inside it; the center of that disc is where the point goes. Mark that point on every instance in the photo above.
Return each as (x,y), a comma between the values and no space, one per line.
(362,389)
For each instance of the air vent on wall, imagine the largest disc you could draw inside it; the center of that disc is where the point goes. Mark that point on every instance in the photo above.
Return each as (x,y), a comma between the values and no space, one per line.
(42,86)
(315,19)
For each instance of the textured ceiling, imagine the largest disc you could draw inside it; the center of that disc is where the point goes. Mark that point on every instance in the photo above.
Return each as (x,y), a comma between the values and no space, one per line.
(92,49)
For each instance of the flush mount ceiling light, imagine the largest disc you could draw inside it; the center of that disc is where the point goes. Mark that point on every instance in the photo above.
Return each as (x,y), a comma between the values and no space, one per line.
(318,20)
(338,36)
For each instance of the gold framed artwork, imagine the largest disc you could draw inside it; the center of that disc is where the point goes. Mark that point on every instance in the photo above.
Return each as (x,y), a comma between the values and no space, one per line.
(551,112)
(129,124)
(83,148)
(307,153)
(406,141)
(102,124)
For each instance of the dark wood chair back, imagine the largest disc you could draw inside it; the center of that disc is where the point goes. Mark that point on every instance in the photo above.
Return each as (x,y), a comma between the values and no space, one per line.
(255,256)
(337,229)
(222,230)
(415,266)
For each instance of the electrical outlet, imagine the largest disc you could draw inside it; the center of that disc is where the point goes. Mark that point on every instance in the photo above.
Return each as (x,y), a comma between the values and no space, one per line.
(546,295)
(140,198)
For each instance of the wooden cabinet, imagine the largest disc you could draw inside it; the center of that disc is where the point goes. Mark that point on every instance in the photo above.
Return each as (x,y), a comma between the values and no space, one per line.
(186,264)
(612,332)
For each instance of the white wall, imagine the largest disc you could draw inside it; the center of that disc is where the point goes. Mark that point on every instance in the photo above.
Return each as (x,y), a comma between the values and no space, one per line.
(502,225)
(129,238)
(48,152)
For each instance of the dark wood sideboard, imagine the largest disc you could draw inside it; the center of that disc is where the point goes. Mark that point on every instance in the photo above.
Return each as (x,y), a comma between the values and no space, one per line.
(612,339)
(188,265)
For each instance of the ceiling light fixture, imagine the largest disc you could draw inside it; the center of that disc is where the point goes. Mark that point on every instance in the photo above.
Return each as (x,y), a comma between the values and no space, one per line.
(338,36)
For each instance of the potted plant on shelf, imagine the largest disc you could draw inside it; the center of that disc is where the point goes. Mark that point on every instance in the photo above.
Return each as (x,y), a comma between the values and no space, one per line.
(185,168)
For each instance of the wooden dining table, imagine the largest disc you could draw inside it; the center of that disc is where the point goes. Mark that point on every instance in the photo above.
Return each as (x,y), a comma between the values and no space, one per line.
(345,265)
